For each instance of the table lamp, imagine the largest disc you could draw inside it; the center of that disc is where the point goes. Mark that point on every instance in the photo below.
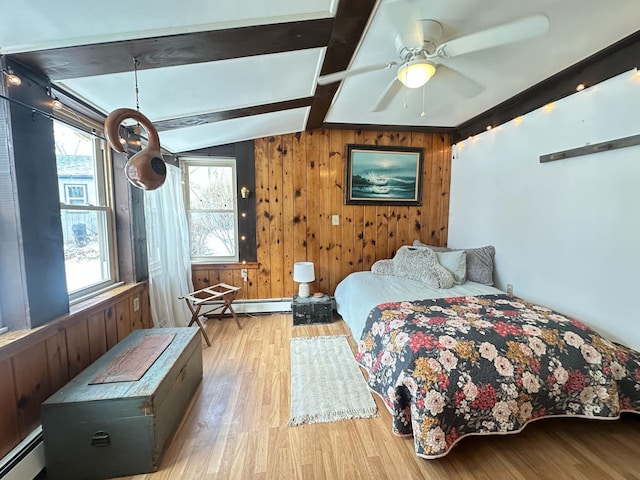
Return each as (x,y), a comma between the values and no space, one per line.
(303,273)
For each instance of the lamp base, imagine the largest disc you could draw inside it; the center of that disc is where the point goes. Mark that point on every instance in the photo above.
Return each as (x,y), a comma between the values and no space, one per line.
(303,290)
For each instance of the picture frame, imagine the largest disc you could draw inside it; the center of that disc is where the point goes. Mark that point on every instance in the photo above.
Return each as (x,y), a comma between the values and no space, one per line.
(383,175)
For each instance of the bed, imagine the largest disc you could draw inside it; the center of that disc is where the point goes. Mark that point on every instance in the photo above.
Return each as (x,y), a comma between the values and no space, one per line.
(473,360)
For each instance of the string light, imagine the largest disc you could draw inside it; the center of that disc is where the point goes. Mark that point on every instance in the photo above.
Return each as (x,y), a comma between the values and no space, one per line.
(580,87)
(13,80)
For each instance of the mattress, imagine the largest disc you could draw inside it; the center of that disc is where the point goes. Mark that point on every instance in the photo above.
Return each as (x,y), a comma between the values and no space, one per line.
(360,292)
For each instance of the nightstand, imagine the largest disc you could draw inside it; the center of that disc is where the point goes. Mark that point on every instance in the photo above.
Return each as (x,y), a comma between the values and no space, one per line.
(312,310)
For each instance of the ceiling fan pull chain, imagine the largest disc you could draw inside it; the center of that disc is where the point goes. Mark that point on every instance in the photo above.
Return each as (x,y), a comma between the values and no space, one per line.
(422,114)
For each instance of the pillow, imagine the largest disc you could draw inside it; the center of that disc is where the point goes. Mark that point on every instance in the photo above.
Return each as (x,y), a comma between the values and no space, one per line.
(480,264)
(418,243)
(419,263)
(479,261)
(382,267)
(456,263)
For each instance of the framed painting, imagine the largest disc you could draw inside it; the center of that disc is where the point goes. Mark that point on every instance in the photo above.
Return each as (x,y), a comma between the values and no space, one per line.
(383,175)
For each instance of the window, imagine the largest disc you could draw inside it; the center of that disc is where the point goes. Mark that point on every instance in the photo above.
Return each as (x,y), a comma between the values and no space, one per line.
(75,194)
(85,210)
(211,204)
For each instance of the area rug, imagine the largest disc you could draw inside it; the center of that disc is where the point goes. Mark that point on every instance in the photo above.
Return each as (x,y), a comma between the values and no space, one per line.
(326,382)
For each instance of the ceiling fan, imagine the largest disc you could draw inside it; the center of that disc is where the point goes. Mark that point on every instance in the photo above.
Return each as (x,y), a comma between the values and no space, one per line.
(420,54)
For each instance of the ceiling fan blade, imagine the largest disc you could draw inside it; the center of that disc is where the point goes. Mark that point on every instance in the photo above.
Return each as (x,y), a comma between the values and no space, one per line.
(461,84)
(338,76)
(404,15)
(388,95)
(527,27)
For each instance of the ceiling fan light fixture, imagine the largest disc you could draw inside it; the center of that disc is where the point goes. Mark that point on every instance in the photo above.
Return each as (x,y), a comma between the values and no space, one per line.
(416,73)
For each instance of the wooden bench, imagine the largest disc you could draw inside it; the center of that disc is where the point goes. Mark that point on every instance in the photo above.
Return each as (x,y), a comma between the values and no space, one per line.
(118,415)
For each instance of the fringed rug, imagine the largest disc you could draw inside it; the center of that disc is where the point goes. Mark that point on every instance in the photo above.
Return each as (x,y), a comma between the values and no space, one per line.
(326,382)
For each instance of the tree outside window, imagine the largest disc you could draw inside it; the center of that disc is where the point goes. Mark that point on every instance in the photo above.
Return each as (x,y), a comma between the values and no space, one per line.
(210,196)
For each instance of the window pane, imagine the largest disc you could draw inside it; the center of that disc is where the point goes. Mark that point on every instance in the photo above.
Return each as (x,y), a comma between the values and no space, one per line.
(85,248)
(87,227)
(212,234)
(76,165)
(211,187)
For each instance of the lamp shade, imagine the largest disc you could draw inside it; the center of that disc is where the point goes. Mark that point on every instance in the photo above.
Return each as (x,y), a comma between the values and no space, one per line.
(303,272)
(416,73)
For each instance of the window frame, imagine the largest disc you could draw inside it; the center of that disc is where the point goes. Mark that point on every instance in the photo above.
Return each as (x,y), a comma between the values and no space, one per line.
(104,200)
(224,161)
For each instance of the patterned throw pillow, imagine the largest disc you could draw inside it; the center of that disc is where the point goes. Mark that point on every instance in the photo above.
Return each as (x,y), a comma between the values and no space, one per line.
(382,267)
(419,263)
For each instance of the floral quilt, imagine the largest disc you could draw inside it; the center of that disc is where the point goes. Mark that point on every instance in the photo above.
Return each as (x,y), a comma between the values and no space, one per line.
(489,364)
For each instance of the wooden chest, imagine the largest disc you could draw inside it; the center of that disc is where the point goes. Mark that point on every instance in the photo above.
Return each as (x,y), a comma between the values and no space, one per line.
(312,309)
(95,430)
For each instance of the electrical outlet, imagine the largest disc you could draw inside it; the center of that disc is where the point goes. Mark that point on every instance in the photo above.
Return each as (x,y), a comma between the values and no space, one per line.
(136,304)
(335,219)
(510,288)
(244,273)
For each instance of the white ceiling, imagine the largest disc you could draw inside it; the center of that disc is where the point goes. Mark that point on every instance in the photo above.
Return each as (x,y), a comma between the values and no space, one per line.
(578,28)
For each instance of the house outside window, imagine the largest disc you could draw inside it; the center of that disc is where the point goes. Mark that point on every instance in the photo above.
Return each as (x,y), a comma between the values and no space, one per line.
(212,209)
(85,209)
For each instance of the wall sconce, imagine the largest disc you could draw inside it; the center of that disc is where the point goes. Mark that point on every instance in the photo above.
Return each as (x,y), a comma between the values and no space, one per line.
(13,80)
(245,192)
(303,273)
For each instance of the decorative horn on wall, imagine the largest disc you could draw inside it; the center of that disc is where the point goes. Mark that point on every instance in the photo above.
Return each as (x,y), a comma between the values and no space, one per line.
(145,169)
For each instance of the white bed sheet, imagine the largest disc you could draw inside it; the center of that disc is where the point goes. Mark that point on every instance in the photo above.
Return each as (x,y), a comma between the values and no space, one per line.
(360,292)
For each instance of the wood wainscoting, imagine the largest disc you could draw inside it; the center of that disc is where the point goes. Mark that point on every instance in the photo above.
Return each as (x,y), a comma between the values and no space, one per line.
(299,187)
(36,363)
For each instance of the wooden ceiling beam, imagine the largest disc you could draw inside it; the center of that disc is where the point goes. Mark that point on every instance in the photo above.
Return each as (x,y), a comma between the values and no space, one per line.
(613,60)
(173,50)
(202,119)
(349,27)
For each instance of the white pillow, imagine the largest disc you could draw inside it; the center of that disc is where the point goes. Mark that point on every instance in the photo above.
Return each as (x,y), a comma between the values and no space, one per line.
(456,263)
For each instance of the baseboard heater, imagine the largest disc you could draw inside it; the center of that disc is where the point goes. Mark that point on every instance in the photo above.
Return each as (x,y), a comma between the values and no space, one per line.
(269,305)
(26,460)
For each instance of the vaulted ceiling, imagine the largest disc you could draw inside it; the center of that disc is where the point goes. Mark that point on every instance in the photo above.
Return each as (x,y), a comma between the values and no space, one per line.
(213,72)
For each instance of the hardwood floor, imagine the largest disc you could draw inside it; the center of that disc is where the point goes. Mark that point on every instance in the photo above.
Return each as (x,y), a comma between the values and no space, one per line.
(237,428)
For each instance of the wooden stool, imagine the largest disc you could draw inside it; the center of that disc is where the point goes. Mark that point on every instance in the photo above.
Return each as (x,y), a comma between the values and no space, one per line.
(220,292)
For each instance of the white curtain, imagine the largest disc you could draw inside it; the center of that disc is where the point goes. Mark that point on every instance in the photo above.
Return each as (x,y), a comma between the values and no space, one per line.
(168,251)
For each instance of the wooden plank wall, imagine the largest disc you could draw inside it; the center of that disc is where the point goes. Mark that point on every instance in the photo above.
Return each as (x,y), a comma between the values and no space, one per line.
(36,363)
(299,186)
